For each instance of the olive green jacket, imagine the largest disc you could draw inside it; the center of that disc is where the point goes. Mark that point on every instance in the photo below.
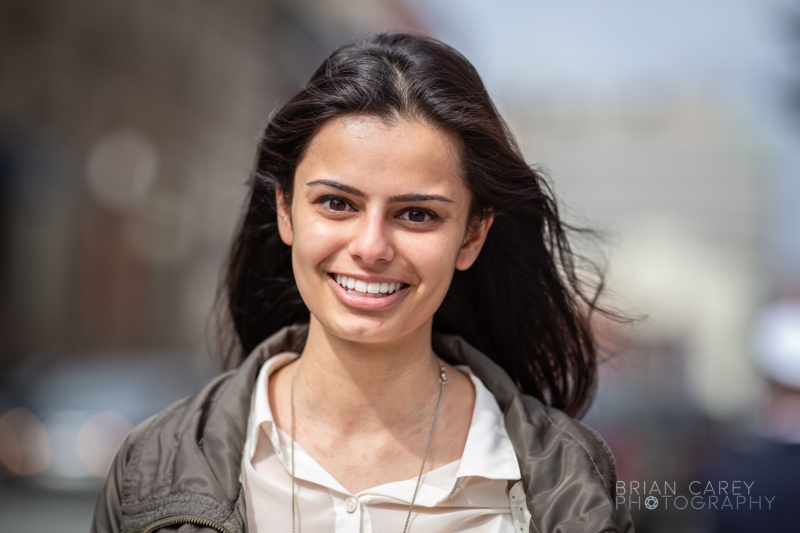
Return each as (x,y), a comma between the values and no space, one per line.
(179,470)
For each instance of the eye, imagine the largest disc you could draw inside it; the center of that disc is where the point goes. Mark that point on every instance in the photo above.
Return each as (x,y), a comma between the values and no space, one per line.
(334,203)
(418,216)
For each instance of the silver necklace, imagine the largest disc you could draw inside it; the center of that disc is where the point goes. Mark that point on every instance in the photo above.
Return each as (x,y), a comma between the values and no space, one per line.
(442,382)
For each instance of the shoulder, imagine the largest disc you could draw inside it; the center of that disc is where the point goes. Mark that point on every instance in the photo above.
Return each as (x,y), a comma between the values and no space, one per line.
(569,470)
(159,463)
(185,460)
(214,418)
(553,427)
(170,425)
(536,430)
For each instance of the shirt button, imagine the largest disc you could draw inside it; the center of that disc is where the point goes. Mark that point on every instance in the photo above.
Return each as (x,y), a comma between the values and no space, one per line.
(350,504)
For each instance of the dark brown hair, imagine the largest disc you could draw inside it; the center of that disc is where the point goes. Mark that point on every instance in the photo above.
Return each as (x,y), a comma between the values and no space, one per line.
(522,302)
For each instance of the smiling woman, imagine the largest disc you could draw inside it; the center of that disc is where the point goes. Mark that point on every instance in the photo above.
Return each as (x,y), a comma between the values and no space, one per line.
(407,335)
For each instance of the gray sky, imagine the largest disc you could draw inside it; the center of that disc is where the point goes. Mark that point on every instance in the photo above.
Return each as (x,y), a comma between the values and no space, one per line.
(614,44)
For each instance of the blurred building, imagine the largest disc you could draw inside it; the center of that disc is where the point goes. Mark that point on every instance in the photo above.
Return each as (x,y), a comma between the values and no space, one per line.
(676,186)
(126,133)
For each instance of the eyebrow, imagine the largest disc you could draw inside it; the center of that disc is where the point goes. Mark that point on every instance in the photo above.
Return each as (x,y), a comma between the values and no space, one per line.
(392,199)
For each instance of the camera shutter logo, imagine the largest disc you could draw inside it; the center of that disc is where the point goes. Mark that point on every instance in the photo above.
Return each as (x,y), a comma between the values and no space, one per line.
(651,502)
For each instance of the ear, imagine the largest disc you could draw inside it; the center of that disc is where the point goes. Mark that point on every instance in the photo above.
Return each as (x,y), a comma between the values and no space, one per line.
(473,242)
(284,217)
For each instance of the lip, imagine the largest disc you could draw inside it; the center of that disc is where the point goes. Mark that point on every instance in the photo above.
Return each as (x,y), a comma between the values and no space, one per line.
(367,302)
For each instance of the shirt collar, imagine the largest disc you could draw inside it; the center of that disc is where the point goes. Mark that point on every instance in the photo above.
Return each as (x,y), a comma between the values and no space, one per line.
(261,412)
(488,452)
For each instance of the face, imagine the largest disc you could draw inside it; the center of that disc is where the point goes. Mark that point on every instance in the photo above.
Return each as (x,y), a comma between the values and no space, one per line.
(378,222)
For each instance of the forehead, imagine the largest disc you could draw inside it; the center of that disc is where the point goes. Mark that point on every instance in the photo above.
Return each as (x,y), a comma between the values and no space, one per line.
(384,158)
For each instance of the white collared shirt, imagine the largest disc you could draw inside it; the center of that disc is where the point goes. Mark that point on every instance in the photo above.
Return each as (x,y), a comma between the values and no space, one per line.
(470,494)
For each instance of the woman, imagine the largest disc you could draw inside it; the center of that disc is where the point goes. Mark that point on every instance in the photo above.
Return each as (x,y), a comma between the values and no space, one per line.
(393,230)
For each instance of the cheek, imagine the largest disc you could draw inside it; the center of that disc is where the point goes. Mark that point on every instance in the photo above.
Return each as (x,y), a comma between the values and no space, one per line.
(312,245)
(433,259)
(315,244)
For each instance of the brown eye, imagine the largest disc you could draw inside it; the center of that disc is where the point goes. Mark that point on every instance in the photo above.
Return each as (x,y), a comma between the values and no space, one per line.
(419,216)
(415,215)
(337,204)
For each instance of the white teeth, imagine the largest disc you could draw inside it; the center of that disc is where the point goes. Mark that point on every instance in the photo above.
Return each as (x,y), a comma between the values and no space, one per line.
(369,288)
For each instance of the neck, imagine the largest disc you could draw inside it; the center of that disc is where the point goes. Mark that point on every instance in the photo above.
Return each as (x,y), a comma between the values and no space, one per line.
(365,387)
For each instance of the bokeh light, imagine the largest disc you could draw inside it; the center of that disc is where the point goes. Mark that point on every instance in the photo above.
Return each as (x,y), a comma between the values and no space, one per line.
(122,166)
(24,443)
(99,439)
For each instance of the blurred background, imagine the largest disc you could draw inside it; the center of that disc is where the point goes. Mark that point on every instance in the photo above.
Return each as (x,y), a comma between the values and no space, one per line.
(127,130)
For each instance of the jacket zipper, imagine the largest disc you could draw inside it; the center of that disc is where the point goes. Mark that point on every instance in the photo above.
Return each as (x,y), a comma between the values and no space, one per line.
(180,519)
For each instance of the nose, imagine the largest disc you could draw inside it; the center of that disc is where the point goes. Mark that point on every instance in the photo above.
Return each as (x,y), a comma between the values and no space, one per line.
(371,242)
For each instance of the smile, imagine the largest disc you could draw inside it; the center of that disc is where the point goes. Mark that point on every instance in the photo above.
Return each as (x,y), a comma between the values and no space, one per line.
(358,287)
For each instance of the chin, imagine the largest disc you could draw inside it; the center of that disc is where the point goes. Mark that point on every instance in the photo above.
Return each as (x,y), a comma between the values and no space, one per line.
(362,329)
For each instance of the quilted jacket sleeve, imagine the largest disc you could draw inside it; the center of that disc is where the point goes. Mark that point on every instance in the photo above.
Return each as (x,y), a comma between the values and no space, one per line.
(623,519)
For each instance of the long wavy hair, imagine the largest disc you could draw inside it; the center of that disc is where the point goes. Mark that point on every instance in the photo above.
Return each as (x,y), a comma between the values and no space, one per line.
(522,303)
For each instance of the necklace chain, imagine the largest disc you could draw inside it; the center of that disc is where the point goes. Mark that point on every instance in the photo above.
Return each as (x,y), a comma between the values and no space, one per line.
(442,383)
